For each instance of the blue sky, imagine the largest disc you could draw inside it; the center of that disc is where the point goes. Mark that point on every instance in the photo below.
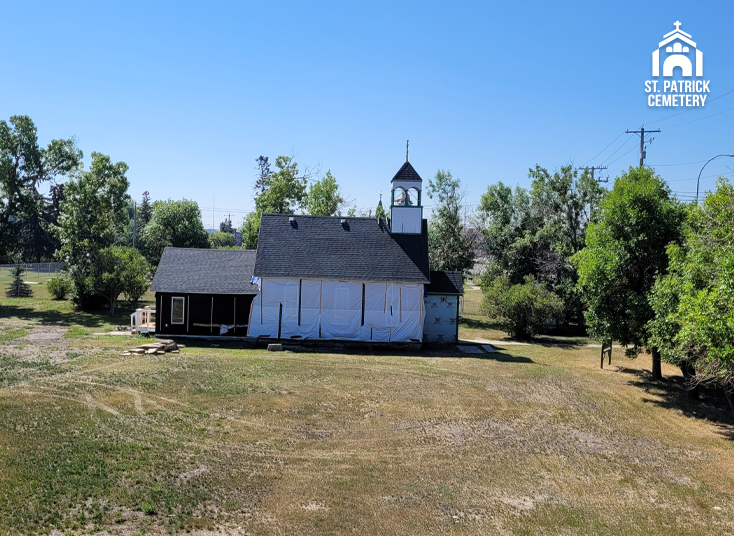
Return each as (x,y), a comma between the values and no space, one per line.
(190,94)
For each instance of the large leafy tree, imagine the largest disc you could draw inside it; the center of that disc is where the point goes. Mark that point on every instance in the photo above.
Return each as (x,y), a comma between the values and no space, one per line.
(536,232)
(694,303)
(626,251)
(221,239)
(450,247)
(285,189)
(24,167)
(280,192)
(503,218)
(174,224)
(562,206)
(324,198)
(93,213)
(119,270)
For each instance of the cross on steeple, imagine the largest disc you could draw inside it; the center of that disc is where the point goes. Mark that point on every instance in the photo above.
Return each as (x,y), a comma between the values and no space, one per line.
(407,143)
(677,25)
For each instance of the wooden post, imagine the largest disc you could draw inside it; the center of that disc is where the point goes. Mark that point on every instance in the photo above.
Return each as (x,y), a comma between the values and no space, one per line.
(234,329)
(188,310)
(280,319)
(300,289)
(606,348)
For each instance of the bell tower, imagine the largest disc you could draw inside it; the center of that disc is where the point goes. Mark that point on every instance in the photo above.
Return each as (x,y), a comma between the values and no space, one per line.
(406,211)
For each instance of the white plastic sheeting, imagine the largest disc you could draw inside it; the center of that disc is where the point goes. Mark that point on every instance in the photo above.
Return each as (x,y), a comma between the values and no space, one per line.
(341,310)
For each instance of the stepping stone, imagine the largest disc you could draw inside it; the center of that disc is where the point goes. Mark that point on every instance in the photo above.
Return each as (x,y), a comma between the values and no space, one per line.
(469,349)
(488,348)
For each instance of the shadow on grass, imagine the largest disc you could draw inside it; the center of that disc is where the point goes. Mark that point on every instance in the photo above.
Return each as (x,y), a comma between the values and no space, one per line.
(478,323)
(501,357)
(354,348)
(711,405)
(88,318)
(566,335)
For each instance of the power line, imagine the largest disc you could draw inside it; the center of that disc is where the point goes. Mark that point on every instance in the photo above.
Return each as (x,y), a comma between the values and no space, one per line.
(604,149)
(625,154)
(701,118)
(618,148)
(704,177)
(690,109)
(681,164)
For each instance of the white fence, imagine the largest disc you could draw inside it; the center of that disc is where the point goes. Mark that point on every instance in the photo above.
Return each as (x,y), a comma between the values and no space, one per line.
(34,268)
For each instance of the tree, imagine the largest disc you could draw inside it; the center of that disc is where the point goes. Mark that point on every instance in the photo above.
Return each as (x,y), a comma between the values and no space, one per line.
(380,211)
(24,166)
(536,232)
(625,252)
(561,208)
(263,174)
(285,190)
(221,239)
(93,212)
(145,211)
(226,226)
(18,288)
(281,192)
(250,230)
(174,224)
(324,198)
(693,326)
(503,217)
(119,270)
(450,247)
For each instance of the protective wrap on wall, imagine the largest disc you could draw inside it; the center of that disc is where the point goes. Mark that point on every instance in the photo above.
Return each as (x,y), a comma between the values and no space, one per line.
(340,310)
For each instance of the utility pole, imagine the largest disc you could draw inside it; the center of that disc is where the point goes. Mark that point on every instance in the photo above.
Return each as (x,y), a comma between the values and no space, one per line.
(641,132)
(135,221)
(593,168)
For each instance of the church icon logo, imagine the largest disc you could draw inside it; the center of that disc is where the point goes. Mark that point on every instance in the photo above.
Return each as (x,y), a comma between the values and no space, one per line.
(678,45)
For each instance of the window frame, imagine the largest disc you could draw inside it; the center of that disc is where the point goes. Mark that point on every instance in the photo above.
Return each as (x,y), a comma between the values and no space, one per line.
(183,309)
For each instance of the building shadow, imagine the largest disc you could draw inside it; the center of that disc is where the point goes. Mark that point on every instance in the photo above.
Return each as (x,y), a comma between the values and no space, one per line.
(477,323)
(671,393)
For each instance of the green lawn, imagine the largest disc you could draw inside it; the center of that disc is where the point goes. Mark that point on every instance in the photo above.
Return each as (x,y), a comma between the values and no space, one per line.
(529,440)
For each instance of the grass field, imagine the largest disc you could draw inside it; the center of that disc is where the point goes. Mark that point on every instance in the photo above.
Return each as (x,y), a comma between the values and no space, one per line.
(533,439)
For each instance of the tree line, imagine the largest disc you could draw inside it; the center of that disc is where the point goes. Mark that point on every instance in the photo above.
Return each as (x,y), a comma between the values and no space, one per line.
(110,243)
(632,264)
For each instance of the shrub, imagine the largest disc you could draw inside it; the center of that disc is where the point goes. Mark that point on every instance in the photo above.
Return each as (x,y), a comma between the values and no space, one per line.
(59,287)
(522,310)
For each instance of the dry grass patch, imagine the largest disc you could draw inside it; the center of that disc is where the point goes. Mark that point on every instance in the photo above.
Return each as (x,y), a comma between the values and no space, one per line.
(531,439)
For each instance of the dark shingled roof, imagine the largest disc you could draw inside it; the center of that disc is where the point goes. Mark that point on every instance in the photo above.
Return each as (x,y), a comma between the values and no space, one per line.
(407,173)
(445,283)
(321,247)
(205,271)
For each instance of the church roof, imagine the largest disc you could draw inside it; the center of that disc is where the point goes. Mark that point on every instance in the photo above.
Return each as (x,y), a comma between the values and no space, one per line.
(407,173)
(347,249)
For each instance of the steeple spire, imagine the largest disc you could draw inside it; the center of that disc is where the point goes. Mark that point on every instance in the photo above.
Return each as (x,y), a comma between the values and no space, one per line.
(407,143)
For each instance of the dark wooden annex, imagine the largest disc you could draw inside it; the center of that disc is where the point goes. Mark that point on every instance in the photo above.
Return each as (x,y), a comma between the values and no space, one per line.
(204,292)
